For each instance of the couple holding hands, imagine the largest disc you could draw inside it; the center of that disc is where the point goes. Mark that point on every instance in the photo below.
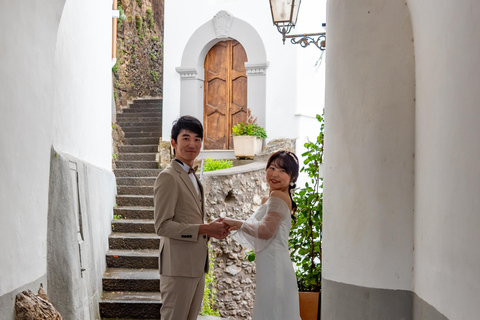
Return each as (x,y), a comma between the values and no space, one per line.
(179,220)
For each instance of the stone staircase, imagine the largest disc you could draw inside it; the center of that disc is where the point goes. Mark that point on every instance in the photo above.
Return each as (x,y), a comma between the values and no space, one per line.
(131,283)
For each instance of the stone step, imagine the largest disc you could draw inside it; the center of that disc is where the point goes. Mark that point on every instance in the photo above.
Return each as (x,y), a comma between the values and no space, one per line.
(137,259)
(134,213)
(134,190)
(140,124)
(137,156)
(141,141)
(154,128)
(139,121)
(142,109)
(136,164)
(123,240)
(120,279)
(135,181)
(136,172)
(130,305)
(157,134)
(139,149)
(129,200)
(137,114)
(134,226)
(147,101)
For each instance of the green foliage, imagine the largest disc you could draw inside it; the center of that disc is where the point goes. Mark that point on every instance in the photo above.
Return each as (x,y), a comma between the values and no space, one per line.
(209,294)
(249,129)
(115,68)
(134,46)
(250,255)
(138,23)
(139,3)
(212,165)
(152,56)
(115,156)
(115,95)
(150,20)
(117,216)
(122,16)
(306,234)
(155,38)
(155,75)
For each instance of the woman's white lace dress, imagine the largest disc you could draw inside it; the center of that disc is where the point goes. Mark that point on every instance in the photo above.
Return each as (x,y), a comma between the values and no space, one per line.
(267,231)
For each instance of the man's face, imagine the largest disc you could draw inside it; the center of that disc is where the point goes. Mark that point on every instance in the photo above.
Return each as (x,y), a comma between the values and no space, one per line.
(187,147)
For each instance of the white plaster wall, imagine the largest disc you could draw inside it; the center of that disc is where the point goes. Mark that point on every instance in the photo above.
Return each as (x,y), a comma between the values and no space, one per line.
(28,32)
(51,95)
(282,88)
(83,82)
(447,184)
(368,186)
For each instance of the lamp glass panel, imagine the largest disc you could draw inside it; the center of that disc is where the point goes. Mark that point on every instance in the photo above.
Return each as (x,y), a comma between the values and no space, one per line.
(282,10)
(296,7)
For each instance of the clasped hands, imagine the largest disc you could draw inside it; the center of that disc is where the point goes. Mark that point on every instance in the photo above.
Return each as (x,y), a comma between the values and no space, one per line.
(220,228)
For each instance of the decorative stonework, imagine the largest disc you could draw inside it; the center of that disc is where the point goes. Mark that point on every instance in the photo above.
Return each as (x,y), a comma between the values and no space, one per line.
(222,22)
(256,69)
(187,73)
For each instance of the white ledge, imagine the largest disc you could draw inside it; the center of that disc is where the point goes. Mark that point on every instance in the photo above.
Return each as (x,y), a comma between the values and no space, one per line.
(250,167)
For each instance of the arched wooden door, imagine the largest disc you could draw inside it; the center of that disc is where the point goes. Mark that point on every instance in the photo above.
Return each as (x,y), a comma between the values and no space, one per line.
(225,93)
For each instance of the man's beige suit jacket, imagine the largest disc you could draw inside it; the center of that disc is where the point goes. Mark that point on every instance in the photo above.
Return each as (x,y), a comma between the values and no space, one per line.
(179,211)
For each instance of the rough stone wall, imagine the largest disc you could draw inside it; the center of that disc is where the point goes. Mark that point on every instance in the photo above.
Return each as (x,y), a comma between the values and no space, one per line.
(238,195)
(139,68)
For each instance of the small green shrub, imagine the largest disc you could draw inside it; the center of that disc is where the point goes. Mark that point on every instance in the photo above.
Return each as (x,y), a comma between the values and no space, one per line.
(117,216)
(249,129)
(212,165)
(154,75)
(138,23)
(150,20)
(115,68)
(209,294)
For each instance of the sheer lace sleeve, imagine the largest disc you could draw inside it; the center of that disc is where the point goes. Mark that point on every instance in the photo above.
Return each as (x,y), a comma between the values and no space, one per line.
(258,230)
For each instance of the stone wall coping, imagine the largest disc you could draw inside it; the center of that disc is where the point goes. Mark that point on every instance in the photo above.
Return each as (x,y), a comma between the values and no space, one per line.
(254,166)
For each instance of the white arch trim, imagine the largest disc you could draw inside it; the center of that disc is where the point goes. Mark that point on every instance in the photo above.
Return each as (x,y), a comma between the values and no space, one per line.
(223,26)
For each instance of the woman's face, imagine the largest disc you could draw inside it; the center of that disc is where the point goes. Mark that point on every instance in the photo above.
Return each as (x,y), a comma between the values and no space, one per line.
(277,178)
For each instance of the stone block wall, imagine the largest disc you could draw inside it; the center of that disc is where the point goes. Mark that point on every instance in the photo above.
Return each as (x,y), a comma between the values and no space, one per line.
(238,192)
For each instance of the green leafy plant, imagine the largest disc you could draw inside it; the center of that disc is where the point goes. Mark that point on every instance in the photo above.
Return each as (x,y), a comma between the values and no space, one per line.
(117,216)
(306,234)
(115,68)
(209,294)
(138,23)
(155,38)
(212,165)
(250,255)
(150,20)
(154,75)
(115,156)
(249,129)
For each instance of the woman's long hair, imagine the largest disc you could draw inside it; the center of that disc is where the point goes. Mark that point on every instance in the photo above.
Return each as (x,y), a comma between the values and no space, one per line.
(288,161)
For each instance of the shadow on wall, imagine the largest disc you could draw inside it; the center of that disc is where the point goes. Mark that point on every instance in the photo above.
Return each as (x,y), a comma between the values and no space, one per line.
(80,208)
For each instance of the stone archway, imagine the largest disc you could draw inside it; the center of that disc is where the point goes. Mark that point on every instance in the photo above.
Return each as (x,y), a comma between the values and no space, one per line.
(223,26)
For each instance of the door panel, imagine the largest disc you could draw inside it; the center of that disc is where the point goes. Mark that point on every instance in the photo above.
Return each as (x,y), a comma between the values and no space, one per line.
(225,93)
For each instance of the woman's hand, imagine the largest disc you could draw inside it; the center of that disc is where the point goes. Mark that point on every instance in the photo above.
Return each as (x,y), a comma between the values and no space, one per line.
(232,224)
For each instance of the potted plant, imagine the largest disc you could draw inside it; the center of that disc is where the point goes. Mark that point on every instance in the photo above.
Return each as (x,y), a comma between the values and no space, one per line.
(247,139)
(306,234)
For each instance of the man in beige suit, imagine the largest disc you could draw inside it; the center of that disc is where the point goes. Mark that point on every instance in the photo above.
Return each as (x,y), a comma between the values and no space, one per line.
(179,220)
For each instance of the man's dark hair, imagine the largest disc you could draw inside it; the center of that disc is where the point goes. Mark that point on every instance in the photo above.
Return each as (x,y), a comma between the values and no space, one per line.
(188,123)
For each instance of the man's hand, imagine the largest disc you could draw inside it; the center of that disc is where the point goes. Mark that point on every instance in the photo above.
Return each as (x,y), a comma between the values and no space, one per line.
(216,229)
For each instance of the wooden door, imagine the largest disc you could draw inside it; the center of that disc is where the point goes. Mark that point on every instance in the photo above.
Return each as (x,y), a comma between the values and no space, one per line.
(225,93)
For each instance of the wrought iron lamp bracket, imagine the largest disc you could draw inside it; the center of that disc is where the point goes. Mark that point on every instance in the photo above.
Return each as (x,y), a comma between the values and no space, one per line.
(304,40)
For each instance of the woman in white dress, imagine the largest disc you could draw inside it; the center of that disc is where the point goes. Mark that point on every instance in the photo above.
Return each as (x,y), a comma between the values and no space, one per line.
(267,232)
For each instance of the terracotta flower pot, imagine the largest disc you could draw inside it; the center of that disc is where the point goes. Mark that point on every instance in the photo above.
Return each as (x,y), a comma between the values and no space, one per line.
(309,305)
